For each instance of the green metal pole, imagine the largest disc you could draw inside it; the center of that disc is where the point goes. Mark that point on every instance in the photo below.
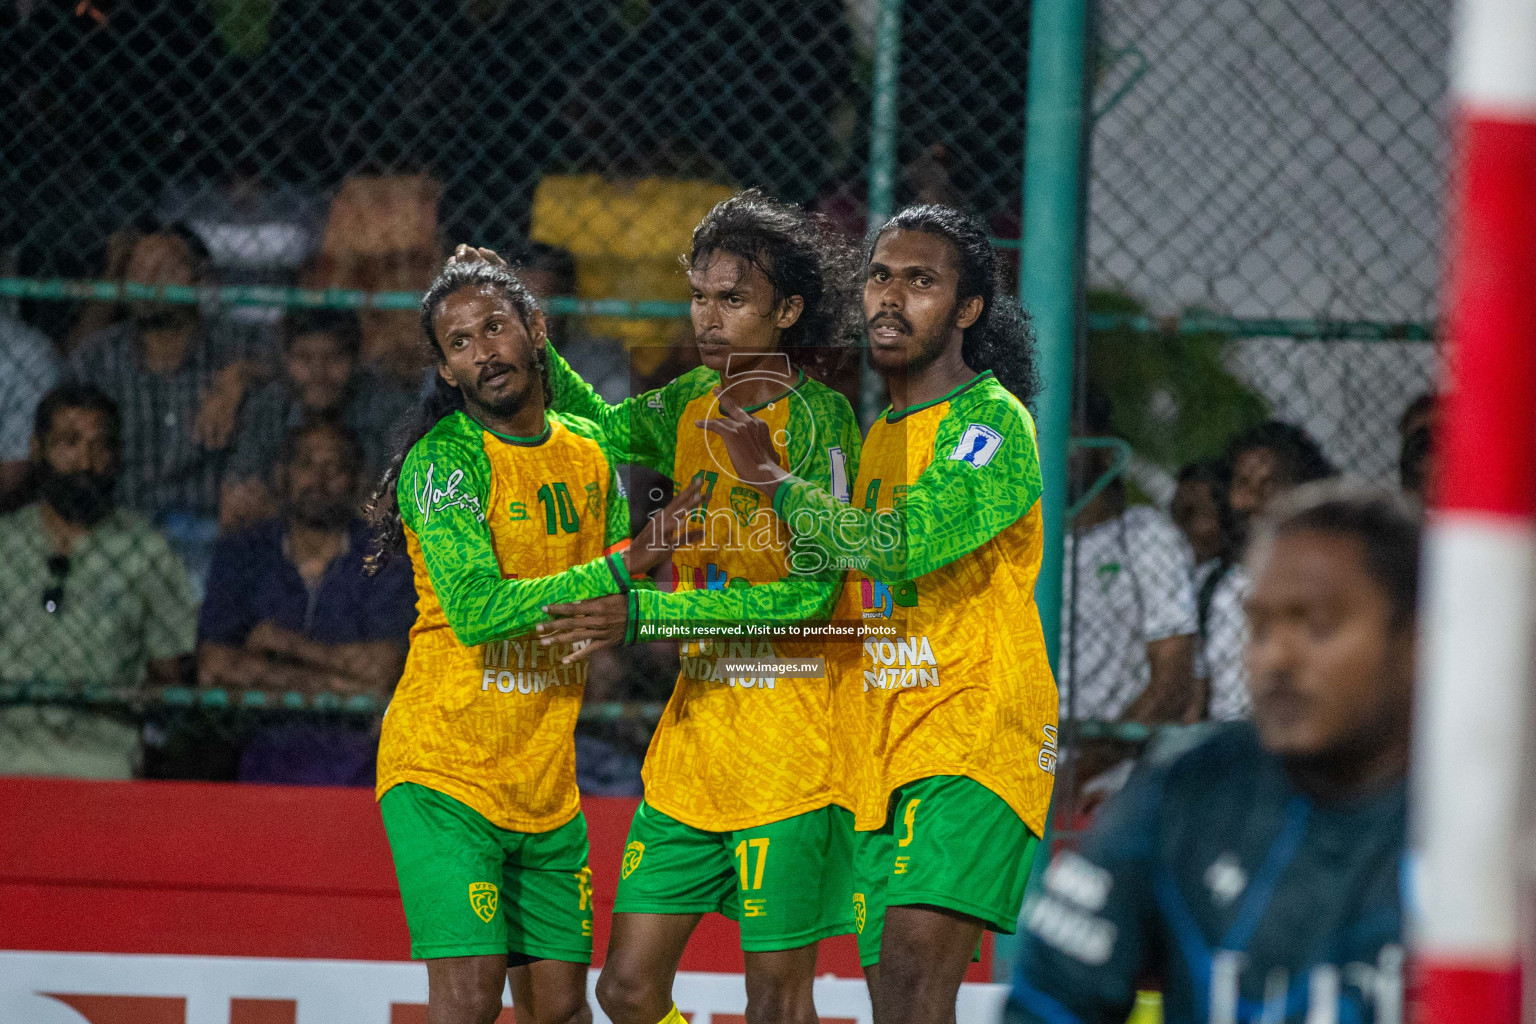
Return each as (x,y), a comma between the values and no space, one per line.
(1048,267)
(882,159)
(1054,122)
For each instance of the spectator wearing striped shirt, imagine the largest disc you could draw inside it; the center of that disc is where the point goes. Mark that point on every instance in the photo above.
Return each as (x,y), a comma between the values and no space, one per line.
(178,386)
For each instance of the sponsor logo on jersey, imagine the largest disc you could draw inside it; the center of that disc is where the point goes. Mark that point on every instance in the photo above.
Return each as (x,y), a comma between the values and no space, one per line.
(632,854)
(880,599)
(1226,879)
(711,577)
(1047,760)
(527,667)
(431,498)
(482,900)
(839,463)
(700,660)
(899,664)
(977,445)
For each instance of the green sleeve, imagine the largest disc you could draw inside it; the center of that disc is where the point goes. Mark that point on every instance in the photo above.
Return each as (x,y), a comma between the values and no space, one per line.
(824,445)
(641,429)
(954,507)
(445,483)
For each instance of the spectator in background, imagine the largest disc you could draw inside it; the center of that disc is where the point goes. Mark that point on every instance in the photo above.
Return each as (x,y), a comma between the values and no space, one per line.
(1199,509)
(178,388)
(28,368)
(1128,646)
(1260,876)
(289,608)
(1267,461)
(322,377)
(89,595)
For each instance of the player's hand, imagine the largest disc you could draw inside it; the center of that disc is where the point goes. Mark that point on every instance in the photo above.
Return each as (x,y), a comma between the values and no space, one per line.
(595,624)
(668,529)
(749,443)
(473,254)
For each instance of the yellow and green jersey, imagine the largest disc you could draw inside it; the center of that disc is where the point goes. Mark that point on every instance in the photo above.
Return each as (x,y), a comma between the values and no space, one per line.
(945,535)
(732,753)
(498,527)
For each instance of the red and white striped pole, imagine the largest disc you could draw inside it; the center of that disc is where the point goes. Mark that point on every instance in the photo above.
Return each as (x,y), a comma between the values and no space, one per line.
(1480,568)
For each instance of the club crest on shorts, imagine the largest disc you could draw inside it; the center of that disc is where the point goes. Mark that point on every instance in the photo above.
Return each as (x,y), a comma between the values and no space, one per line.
(632,854)
(977,445)
(858,912)
(482,900)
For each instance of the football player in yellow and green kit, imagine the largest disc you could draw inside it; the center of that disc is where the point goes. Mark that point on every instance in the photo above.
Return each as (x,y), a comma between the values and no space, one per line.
(503,508)
(947,711)
(740,812)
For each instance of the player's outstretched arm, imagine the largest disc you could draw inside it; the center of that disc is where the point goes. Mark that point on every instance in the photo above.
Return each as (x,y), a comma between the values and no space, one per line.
(443,491)
(984,475)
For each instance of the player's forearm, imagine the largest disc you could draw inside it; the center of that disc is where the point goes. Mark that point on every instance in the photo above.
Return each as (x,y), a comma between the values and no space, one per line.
(481,606)
(570,393)
(786,601)
(371,663)
(1167,696)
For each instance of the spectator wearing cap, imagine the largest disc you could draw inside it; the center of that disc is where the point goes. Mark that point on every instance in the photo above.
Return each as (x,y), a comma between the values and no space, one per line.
(322,377)
(289,607)
(90,595)
(1267,461)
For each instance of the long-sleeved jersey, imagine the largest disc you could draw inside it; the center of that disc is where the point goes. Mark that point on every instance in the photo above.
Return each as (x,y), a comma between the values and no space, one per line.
(1249,901)
(498,527)
(945,542)
(728,752)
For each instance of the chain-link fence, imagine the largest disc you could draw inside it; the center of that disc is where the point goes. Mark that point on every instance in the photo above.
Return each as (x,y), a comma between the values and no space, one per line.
(1263,242)
(301,155)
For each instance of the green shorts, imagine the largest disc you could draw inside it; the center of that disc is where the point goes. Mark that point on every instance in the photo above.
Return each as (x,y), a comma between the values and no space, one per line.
(471,888)
(948,842)
(788,883)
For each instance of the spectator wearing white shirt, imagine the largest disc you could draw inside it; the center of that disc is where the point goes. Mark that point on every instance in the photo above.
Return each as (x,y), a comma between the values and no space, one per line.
(1128,638)
(1267,461)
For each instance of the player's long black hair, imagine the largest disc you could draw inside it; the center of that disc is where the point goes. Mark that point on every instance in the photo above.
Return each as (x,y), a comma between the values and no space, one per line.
(383,509)
(800,254)
(1003,338)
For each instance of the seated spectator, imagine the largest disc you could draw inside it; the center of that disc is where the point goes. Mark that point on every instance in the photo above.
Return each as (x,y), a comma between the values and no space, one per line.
(290,608)
(1199,509)
(1267,461)
(322,377)
(89,595)
(1128,644)
(179,388)
(28,368)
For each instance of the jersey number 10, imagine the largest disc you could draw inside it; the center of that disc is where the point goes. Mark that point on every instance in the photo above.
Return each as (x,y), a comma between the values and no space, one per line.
(556,499)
